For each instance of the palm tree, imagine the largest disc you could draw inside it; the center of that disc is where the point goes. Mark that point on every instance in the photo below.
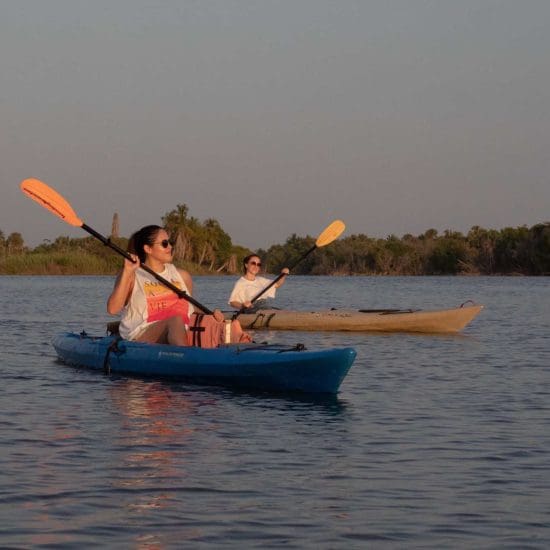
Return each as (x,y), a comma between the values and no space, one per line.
(176,224)
(15,244)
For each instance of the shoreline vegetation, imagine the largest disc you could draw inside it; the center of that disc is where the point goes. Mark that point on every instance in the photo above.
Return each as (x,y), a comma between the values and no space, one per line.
(204,248)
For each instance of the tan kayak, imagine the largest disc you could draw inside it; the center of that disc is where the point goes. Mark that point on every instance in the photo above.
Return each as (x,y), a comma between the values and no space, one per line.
(387,320)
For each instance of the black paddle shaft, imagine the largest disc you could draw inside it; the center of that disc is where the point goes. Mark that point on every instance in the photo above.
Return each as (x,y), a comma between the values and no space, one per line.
(181,293)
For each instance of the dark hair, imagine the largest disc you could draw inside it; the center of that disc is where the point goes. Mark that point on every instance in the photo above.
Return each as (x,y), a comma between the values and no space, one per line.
(146,235)
(247,259)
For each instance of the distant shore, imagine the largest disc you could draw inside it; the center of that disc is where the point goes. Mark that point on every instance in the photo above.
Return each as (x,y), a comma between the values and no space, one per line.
(72,263)
(509,251)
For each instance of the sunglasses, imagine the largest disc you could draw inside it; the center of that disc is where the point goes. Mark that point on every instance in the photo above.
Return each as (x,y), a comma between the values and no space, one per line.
(259,264)
(165,243)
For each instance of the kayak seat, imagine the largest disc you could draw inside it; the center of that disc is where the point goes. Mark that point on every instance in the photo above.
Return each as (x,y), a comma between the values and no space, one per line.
(112,328)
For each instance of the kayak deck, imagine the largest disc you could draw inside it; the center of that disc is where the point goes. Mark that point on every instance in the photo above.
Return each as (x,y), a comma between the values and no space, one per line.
(387,320)
(259,367)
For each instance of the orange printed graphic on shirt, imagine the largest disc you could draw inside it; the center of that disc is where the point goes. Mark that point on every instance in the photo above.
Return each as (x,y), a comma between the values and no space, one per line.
(162,303)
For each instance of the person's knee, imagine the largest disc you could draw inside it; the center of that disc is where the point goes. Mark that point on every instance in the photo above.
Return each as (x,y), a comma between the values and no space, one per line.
(175,322)
(177,334)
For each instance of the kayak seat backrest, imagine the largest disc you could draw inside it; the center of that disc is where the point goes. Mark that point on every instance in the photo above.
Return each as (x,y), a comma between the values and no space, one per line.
(204,332)
(112,327)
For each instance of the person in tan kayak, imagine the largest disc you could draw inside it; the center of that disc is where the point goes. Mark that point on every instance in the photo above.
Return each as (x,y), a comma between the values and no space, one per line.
(251,284)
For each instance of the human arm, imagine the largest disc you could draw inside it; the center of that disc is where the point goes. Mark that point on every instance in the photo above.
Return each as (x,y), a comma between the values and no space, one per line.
(123,287)
(187,280)
(240,295)
(284,272)
(238,305)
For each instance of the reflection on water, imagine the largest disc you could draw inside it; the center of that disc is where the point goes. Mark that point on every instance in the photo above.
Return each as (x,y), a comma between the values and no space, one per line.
(150,437)
(157,436)
(144,407)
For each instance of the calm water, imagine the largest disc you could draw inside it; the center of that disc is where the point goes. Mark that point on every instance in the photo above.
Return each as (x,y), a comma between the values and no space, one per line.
(433,441)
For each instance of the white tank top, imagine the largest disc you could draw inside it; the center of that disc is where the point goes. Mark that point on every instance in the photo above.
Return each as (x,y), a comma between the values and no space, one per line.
(151,301)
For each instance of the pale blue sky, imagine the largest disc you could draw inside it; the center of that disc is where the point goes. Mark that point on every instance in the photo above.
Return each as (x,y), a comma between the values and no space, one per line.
(277,116)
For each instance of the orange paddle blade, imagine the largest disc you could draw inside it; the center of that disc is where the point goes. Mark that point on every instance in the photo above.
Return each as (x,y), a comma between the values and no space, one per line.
(332,232)
(49,198)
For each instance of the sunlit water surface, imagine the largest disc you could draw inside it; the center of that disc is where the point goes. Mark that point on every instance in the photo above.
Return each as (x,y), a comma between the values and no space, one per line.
(432,442)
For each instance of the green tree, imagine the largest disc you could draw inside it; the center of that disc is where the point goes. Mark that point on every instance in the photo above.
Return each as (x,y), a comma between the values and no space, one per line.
(512,250)
(286,255)
(15,244)
(539,252)
(451,255)
(176,223)
(217,243)
(202,243)
(483,242)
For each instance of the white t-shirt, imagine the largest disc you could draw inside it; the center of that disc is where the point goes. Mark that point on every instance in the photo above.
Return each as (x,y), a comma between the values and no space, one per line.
(151,301)
(244,290)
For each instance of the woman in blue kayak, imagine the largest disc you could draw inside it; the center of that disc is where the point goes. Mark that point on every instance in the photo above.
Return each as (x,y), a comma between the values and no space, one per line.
(251,284)
(151,312)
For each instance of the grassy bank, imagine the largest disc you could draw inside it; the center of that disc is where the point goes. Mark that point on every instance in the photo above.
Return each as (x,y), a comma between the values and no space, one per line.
(58,263)
(69,263)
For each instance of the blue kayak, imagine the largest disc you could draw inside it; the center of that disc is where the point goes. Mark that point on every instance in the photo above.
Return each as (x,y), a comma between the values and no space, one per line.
(271,367)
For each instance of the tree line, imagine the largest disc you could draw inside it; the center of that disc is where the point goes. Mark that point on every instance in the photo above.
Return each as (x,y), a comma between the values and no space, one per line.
(508,251)
(204,247)
(199,246)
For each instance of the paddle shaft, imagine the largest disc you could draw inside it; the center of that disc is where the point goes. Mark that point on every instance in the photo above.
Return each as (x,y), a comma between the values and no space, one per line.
(181,293)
